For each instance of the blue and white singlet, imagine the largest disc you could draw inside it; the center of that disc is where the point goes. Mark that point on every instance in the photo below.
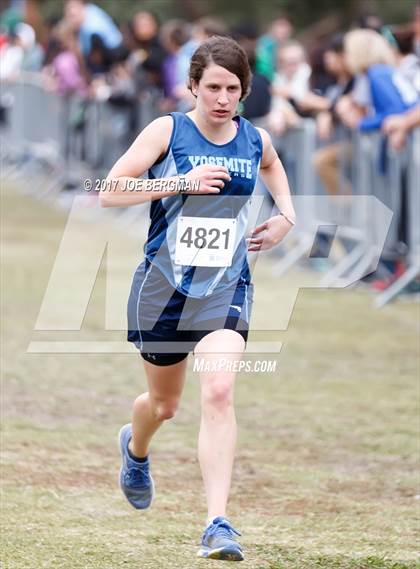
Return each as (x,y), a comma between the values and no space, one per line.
(187,149)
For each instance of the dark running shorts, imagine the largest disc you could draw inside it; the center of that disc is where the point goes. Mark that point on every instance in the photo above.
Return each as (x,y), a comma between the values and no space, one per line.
(165,325)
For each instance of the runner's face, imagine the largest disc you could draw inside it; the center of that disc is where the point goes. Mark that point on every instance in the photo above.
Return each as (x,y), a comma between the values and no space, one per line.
(218,94)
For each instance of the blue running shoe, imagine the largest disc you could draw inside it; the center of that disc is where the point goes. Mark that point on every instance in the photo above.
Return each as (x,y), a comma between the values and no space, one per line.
(219,542)
(135,479)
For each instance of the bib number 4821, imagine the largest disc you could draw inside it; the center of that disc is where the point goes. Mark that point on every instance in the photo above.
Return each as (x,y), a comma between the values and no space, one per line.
(205,241)
(203,238)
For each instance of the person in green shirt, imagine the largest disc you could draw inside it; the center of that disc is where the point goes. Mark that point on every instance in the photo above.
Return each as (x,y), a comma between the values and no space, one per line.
(279,32)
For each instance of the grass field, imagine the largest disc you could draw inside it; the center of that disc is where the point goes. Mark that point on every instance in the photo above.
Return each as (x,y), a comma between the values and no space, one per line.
(327,462)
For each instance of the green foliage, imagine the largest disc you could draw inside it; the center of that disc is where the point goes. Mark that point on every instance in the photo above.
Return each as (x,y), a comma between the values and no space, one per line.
(303,12)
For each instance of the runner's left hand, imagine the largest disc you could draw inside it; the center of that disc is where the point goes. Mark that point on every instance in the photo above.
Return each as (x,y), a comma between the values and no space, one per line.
(269,233)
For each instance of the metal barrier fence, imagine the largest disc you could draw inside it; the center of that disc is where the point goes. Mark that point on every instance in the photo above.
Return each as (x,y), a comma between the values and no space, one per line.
(53,137)
(77,130)
(383,205)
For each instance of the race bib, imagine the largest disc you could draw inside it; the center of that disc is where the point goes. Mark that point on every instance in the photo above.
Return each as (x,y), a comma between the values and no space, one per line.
(205,241)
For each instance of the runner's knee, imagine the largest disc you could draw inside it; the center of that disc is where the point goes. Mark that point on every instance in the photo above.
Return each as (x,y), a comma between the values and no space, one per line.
(217,394)
(164,410)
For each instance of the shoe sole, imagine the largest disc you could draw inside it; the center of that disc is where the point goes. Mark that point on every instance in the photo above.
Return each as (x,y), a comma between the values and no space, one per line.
(119,479)
(222,554)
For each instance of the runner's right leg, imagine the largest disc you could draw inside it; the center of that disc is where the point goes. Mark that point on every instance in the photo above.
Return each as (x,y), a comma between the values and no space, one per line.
(149,412)
(153,407)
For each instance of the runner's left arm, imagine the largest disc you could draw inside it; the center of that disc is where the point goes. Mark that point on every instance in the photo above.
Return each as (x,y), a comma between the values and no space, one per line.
(272,173)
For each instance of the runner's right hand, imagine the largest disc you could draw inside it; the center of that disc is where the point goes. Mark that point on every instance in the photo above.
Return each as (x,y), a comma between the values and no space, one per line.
(210,178)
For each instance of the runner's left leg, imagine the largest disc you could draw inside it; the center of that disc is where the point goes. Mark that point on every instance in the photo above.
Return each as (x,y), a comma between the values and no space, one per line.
(217,437)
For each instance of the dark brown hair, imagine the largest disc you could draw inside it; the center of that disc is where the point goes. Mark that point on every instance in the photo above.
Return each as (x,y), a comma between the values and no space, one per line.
(227,53)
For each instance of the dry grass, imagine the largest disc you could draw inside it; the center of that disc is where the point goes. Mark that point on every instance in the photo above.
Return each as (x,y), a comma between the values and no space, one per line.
(326,470)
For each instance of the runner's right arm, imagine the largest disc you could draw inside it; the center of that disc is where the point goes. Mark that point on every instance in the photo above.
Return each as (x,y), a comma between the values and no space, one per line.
(124,187)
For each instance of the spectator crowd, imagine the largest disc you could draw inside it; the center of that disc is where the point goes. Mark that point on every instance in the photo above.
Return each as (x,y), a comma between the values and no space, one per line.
(366,77)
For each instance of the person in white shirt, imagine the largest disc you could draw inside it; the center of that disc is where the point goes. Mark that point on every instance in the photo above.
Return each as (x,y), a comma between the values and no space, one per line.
(290,85)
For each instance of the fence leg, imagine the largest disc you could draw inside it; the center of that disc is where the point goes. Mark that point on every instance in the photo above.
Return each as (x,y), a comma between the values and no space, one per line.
(300,250)
(335,275)
(396,287)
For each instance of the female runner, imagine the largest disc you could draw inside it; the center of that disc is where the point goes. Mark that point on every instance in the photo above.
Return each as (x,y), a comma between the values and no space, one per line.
(193,291)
